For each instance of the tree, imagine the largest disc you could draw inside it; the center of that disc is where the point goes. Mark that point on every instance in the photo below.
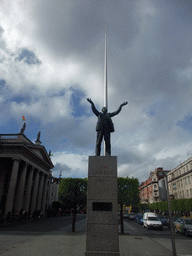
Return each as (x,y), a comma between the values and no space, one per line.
(73,192)
(128,194)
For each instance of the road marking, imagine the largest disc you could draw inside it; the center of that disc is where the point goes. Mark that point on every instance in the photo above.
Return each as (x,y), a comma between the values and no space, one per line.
(128,226)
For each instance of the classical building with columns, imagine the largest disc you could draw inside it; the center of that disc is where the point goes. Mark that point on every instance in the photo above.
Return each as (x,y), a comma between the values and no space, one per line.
(25,176)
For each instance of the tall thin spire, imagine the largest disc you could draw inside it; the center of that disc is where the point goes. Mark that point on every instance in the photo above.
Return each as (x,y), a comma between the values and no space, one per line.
(105,72)
(105,81)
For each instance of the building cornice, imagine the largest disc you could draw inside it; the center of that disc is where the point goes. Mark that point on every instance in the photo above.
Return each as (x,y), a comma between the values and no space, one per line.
(11,150)
(180,176)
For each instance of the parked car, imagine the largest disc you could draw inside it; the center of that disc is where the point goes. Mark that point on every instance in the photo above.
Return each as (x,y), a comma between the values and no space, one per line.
(125,215)
(136,218)
(131,215)
(165,222)
(150,221)
(184,226)
(140,219)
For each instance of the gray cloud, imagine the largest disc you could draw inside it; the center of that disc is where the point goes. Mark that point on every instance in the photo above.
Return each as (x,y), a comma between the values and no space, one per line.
(28,57)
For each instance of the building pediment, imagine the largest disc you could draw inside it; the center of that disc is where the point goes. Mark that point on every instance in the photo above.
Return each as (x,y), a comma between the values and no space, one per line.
(18,145)
(41,152)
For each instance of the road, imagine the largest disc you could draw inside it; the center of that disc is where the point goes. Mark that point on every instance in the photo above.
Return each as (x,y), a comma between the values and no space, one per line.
(133,228)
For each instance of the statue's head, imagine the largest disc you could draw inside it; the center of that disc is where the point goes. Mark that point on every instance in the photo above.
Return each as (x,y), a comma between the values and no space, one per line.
(104,110)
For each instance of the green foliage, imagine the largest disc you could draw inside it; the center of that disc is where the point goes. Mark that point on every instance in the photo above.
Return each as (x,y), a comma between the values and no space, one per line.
(176,205)
(73,191)
(128,191)
(142,207)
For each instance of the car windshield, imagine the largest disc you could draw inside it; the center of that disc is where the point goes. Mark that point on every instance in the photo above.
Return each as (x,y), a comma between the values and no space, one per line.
(152,218)
(188,222)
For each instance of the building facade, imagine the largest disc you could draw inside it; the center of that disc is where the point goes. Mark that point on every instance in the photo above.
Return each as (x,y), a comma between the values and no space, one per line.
(25,176)
(54,190)
(180,180)
(149,189)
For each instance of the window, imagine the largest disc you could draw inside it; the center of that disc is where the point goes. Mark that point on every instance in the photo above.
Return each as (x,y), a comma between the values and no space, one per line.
(174,186)
(189,179)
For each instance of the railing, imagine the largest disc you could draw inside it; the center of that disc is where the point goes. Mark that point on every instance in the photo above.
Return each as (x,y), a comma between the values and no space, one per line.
(11,136)
(14,137)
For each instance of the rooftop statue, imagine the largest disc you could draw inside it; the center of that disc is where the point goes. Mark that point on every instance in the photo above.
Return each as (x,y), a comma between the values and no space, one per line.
(23,128)
(104,126)
(38,138)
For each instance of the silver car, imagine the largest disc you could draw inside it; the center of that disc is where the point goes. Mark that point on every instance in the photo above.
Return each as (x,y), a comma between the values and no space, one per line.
(184,226)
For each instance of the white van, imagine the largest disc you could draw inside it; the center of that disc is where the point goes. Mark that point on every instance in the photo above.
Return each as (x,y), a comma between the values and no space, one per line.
(151,221)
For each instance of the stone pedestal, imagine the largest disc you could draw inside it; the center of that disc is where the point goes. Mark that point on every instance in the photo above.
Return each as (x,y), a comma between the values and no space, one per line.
(102,207)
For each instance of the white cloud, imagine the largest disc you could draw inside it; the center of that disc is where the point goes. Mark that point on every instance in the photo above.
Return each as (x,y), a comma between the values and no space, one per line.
(75,162)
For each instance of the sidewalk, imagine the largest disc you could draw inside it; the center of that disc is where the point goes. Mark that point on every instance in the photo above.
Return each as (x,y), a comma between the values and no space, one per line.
(74,245)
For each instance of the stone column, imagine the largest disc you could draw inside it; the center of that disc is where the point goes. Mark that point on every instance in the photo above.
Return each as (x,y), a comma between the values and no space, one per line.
(12,187)
(44,194)
(40,193)
(28,189)
(34,192)
(20,189)
(2,179)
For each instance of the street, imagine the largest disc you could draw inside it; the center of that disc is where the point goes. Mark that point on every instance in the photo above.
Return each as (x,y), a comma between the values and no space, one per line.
(134,229)
(54,237)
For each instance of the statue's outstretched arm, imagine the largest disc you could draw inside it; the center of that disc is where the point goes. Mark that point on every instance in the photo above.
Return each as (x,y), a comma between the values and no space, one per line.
(119,109)
(95,111)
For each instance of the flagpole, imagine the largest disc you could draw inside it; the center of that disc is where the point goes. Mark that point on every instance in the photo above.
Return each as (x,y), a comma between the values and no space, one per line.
(105,80)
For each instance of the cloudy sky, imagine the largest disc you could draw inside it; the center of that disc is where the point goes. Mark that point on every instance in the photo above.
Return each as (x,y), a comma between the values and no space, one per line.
(52,59)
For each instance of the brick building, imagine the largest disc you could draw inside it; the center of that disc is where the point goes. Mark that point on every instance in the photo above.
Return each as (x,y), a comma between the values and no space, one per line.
(149,189)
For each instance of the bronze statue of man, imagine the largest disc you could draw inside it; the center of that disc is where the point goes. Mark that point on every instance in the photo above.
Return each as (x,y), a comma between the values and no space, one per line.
(104,126)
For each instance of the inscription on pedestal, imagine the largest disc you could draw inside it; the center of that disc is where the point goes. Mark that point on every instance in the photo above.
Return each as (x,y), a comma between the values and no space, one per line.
(102,206)
(108,168)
